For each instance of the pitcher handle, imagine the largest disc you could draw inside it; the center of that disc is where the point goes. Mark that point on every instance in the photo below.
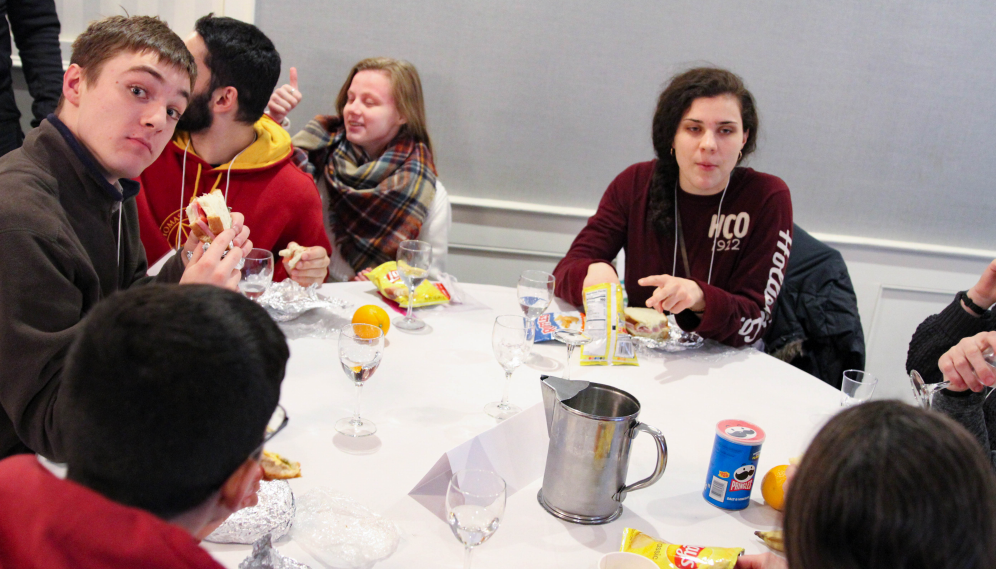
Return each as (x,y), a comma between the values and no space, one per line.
(661,461)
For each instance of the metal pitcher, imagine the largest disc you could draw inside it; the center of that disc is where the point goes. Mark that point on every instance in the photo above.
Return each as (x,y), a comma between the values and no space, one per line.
(591,426)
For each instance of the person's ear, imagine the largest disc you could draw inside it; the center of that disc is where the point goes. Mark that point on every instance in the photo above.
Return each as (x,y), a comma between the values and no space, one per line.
(239,491)
(746,136)
(72,84)
(225,99)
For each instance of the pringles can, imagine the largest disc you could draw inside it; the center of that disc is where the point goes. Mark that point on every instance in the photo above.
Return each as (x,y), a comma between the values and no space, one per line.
(733,464)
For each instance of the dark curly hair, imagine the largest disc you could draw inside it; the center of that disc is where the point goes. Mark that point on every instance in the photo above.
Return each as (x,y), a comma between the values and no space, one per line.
(674,101)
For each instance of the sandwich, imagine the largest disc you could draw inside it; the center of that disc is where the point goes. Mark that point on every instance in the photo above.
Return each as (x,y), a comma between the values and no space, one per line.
(646,323)
(276,467)
(293,253)
(208,216)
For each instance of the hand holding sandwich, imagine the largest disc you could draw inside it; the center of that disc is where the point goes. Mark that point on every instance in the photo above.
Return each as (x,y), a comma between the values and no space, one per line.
(208,267)
(305,265)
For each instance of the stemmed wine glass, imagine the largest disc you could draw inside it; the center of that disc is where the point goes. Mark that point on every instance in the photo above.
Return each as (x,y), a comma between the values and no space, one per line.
(361,347)
(924,392)
(413,268)
(535,291)
(257,273)
(511,340)
(572,338)
(475,503)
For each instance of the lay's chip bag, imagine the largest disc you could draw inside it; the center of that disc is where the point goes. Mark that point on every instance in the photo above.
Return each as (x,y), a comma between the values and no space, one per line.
(605,323)
(389,283)
(673,556)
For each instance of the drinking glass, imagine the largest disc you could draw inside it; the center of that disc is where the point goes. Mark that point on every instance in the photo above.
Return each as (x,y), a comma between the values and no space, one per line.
(857,387)
(572,338)
(535,291)
(475,503)
(413,268)
(924,392)
(361,347)
(511,340)
(257,273)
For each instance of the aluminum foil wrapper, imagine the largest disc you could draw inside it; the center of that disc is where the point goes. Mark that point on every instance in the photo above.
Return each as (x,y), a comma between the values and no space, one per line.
(273,516)
(287,300)
(265,556)
(340,532)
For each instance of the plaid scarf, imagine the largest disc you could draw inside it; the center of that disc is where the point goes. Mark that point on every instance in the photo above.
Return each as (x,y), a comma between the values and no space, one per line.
(374,205)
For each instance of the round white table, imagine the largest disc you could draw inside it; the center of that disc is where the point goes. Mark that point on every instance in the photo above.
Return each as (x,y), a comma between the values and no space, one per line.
(428,397)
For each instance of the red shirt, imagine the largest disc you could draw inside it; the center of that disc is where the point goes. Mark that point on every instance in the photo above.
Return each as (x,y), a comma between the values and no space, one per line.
(48,523)
(752,249)
(280,202)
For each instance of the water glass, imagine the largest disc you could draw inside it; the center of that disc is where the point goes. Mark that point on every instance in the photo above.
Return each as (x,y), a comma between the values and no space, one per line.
(535,291)
(413,268)
(857,387)
(475,503)
(511,340)
(572,338)
(257,273)
(361,347)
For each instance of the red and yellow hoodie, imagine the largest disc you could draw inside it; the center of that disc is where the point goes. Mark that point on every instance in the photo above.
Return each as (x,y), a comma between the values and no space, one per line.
(280,202)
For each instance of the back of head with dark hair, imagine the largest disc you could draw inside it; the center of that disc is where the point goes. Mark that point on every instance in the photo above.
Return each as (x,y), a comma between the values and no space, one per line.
(886,485)
(167,391)
(241,56)
(673,103)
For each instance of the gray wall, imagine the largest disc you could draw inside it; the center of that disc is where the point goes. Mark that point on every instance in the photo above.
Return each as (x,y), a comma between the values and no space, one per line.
(878,114)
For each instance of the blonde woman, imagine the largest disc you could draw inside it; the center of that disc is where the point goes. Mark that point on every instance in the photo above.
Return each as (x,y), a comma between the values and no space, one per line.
(373,162)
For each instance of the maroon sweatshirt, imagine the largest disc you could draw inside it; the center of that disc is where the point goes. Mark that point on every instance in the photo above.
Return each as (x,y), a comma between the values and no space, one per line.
(752,249)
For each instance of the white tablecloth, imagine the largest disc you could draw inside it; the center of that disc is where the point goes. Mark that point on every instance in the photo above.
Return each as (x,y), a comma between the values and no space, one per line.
(428,395)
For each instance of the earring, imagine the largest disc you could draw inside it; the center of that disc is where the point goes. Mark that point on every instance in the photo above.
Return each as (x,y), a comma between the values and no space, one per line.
(672,151)
(740,156)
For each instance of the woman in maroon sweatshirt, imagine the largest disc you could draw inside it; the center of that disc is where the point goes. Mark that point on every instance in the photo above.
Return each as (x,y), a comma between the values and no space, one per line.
(704,238)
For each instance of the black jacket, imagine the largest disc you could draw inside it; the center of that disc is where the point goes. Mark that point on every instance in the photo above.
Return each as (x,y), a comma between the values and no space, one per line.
(59,234)
(815,325)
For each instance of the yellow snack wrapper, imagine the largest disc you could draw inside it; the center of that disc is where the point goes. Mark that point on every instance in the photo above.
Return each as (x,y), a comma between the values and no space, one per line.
(388,282)
(605,322)
(673,556)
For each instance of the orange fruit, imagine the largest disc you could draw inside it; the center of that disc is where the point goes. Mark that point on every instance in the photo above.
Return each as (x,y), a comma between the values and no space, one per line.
(773,486)
(374,315)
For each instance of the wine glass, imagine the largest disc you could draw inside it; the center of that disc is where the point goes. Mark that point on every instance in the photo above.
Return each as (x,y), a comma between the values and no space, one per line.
(511,340)
(257,273)
(413,268)
(535,291)
(475,503)
(361,347)
(856,387)
(572,338)
(924,392)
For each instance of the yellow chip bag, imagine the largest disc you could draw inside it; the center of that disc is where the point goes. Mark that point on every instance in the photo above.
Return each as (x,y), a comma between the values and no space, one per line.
(388,282)
(673,556)
(605,323)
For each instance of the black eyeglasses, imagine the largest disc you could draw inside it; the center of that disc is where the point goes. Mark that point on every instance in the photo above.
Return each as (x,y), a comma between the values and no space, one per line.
(276,424)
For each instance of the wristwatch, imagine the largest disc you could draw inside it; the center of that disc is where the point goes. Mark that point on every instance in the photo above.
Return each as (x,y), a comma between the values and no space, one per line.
(975,308)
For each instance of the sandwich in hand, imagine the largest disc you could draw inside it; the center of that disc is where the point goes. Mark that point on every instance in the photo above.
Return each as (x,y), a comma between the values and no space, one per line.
(293,253)
(208,216)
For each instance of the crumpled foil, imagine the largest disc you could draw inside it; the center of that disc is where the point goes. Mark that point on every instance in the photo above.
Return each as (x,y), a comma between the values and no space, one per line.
(677,341)
(273,515)
(340,532)
(265,556)
(287,300)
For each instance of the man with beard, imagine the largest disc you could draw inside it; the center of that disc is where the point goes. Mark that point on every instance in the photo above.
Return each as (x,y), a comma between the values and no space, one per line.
(223,141)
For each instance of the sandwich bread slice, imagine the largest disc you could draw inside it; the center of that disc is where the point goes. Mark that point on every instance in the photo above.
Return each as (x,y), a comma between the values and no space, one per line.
(646,323)
(213,211)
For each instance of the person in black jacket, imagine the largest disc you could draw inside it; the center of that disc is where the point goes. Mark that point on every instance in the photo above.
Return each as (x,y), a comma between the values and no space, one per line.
(948,346)
(816,326)
(36,32)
